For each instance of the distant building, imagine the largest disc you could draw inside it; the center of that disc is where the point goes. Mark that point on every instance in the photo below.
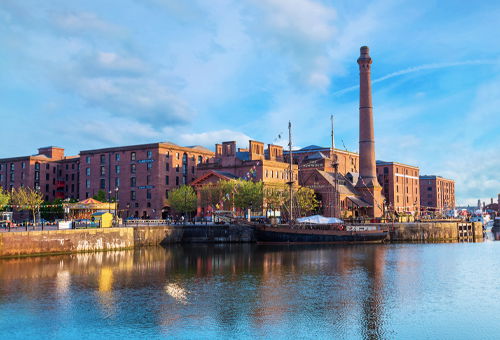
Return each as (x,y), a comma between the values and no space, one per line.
(348,161)
(50,171)
(400,186)
(437,193)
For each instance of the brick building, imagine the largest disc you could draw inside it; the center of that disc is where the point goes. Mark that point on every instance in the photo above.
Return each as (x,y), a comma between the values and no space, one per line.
(253,163)
(400,186)
(50,171)
(437,193)
(348,161)
(140,175)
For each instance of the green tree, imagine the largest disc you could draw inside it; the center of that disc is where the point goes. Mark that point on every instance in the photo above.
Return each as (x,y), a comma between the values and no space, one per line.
(275,196)
(305,200)
(4,198)
(27,199)
(183,199)
(248,194)
(100,196)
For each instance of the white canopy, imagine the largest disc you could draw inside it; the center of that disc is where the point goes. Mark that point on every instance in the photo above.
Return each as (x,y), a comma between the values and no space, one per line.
(318,219)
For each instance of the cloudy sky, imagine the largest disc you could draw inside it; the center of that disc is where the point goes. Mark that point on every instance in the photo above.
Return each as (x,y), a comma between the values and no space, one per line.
(91,74)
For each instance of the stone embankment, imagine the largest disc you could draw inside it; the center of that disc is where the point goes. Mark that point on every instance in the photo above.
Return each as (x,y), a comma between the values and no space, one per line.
(89,240)
(435,232)
(84,240)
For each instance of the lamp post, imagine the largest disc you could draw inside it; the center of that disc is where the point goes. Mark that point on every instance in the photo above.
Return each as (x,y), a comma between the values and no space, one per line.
(116,203)
(109,201)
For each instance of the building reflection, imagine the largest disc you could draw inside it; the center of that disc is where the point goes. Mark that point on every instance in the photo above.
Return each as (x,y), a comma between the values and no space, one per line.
(261,285)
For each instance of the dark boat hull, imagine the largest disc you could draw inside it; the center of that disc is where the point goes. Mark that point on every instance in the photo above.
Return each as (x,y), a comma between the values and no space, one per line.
(287,235)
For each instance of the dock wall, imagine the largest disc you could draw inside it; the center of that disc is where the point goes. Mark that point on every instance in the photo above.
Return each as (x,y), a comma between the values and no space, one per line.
(84,240)
(436,232)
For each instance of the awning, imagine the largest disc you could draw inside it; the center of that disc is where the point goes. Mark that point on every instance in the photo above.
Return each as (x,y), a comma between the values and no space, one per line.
(359,202)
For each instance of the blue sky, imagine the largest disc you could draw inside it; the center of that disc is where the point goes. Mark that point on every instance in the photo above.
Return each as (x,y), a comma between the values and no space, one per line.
(90,74)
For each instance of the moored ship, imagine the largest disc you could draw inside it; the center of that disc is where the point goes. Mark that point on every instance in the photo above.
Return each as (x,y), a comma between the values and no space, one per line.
(319,234)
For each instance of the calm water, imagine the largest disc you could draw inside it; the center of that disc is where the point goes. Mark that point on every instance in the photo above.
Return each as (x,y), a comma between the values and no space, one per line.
(402,291)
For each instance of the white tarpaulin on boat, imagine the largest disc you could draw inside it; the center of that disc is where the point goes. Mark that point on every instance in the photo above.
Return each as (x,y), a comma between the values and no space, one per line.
(318,219)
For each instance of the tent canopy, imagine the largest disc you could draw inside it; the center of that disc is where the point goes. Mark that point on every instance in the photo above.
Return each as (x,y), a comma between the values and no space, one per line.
(318,219)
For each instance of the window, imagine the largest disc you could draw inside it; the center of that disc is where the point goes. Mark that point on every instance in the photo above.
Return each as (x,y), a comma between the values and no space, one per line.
(87,159)
(117,182)
(46,188)
(132,195)
(0,177)
(167,155)
(167,167)
(72,187)
(0,166)
(148,194)
(177,168)
(12,176)
(150,154)
(166,193)
(67,166)
(117,157)
(176,180)
(150,166)
(102,184)
(200,159)
(87,171)
(37,175)
(132,168)
(133,181)
(132,156)
(192,169)
(37,166)
(23,165)
(177,155)
(87,184)
(166,180)
(103,159)
(73,166)
(12,166)
(117,169)
(47,177)
(72,177)
(103,170)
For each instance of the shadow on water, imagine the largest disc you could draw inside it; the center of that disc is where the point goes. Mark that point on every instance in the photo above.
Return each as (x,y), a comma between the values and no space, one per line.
(230,289)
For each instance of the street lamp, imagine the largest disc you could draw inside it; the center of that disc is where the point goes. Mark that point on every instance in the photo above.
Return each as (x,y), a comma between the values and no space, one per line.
(116,203)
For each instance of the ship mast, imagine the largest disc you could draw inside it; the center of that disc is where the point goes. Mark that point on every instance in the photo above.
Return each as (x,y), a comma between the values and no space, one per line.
(290,170)
(335,165)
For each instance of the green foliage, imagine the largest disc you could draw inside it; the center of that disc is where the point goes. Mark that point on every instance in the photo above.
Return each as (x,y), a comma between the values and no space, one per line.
(100,196)
(183,199)
(306,200)
(248,194)
(27,199)
(4,198)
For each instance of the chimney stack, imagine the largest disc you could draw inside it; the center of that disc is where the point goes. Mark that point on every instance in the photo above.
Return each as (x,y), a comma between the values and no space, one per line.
(367,183)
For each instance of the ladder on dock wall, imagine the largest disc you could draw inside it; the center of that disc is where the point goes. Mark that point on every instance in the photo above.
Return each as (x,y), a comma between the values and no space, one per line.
(466,232)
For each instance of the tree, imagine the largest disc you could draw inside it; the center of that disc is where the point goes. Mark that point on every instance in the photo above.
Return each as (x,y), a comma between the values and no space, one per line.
(27,199)
(275,196)
(4,198)
(248,194)
(100,196)
(183,199)
(306,201)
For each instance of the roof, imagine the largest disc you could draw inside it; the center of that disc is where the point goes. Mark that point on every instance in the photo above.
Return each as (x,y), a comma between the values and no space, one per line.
(312,147)
(344,186)
(396,163)
(316,155)
(199,147)
(223,175)
(359,202)
(243,155)
(90,201)
(100,213)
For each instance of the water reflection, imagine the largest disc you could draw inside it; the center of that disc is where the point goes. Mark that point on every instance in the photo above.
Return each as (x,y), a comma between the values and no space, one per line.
(227,291)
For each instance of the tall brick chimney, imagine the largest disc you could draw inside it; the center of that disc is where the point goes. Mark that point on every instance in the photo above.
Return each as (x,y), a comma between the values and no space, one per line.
(367,183)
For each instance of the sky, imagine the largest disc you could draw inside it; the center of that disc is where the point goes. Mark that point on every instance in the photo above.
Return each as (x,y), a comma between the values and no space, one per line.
(95,73)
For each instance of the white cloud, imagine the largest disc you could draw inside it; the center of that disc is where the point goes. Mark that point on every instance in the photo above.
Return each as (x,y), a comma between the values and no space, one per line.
(77,22)
(210,138)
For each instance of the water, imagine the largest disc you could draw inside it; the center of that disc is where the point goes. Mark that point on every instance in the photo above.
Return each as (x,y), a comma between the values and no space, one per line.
(398,291)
